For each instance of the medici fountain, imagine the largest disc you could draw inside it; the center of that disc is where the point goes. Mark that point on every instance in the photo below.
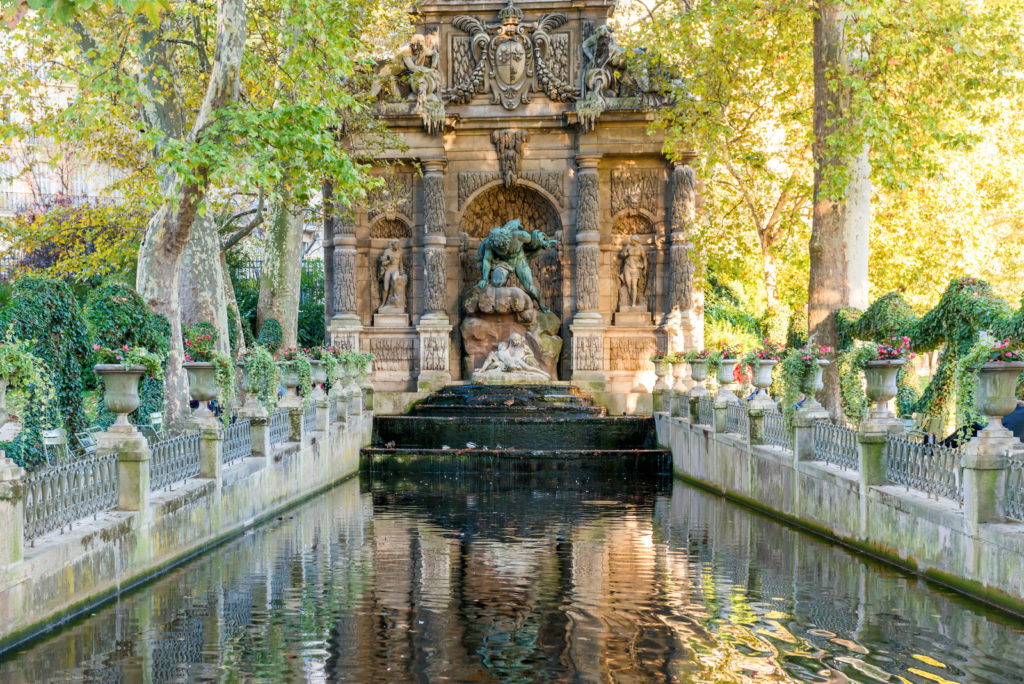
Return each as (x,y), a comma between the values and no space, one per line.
(529,230)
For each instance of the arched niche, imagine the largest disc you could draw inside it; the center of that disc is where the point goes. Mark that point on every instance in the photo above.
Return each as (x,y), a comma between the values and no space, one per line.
(390,227)
(633,223)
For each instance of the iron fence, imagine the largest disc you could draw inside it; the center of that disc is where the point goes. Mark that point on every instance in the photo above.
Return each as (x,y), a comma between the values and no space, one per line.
(309,417)
(1014,502)
(775,431)
(930,468)
(737,419)
(278,428)
(705,411)
(836,444)
(59,496)
(237,442)
(174,460)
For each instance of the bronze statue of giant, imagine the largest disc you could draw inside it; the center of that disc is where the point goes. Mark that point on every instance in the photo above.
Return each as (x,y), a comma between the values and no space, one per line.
(508,249)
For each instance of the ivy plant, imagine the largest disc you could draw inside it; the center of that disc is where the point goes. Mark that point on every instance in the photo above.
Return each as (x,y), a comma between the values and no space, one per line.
(263,374)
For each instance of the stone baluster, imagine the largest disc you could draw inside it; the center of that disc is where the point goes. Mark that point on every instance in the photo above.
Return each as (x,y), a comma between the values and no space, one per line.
(345,325)
(587,324)
(12,512)
(684,318)
(434,327)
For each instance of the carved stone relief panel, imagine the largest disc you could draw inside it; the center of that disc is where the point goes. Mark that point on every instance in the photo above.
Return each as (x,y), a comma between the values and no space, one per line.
(552,181)
(630,353)
(390,228)
(509,144)
(435,353)
(588,352)
(436,279)
(394,198)
(632,224)
(634,189)
(392,353)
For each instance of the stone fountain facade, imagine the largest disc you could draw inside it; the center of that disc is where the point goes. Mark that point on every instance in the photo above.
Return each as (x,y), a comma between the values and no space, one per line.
(518,111)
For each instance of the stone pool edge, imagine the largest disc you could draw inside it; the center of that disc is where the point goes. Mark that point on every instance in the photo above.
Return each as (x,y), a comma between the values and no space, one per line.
(922,536)
(100,561)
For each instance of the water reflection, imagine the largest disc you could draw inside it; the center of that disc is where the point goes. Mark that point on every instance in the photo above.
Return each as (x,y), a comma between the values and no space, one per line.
(555,576)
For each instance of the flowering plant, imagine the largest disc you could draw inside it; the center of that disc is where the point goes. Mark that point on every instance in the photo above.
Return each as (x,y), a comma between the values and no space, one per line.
(814,352)
(1001,351)
(769,351)
(695,355)
(659,356)
(293,359)
(328,357)
(729,351)
(898,350)
(130,356)
(675,357)
(199,342)
(199,345)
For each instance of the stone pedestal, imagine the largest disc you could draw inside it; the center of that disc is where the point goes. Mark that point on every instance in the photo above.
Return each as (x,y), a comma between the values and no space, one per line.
(344,330)
(632,315)
(588,353)
(211,452)
(390,317)
(12,512)
(435,352)
(133,461)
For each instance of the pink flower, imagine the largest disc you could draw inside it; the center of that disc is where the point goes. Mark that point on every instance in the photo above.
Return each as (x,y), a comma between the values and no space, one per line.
(125,348)
(96,347)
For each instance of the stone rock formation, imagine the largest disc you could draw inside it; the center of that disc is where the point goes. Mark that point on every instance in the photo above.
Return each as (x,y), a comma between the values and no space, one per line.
(511,363)
(494,314)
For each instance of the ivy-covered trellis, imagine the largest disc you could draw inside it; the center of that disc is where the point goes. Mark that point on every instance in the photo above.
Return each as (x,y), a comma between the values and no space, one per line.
(967,308)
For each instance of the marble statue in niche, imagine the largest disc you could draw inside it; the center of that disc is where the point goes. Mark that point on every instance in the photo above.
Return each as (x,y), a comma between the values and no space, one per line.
(633,284)
(393,283)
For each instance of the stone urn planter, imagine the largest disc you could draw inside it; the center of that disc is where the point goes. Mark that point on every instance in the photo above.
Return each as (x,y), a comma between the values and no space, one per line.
(698,373)
(679,375)
(881,386)
(762,381)
(290,380)
(202,386)
(812,384)
(726,380)
(996,396)
(252,402)
(319,376)
(120,390)
(661,372)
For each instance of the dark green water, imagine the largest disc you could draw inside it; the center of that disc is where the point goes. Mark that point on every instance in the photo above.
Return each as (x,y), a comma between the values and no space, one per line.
(534,577)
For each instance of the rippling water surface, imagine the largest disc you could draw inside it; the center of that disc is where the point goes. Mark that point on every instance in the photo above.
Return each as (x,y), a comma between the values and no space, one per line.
(543,577)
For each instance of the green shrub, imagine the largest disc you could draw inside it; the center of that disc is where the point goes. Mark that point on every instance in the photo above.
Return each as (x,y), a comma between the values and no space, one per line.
(45,312)
(271,336)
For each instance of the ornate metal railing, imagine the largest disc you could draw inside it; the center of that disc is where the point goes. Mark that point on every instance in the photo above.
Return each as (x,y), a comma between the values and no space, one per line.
(737,419)
(309,417)
(237,441)
(836,444)
(58,496)
(930,468)
(278,426)
(705,411)
(775,432)
(1014,502)
(174,460)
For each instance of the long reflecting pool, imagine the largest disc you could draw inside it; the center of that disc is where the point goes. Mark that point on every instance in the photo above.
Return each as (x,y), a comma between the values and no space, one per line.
(557,576)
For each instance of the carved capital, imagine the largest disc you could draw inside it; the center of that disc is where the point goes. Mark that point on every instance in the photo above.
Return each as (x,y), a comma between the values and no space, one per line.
(588,162)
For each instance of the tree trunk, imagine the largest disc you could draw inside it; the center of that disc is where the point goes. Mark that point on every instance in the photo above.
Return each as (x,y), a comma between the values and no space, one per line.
(770,269)
(281,273)
(170,228)
(203,297)
(828,286)
(858,230)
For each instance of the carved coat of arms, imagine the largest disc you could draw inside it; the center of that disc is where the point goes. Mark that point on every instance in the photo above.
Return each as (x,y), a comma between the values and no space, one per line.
(509,59)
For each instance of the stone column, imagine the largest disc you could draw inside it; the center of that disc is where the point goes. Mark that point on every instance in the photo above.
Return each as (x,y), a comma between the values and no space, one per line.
(345,325)
(587,324)
(434,327)
(986,464)
(684,317)
(12,512)
(328,241)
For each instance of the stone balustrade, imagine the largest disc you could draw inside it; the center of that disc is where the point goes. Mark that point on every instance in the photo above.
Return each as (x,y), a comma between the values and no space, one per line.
(107,521)
(909,502)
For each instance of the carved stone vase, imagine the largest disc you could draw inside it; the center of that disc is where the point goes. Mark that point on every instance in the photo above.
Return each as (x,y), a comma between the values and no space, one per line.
(202,386)
(290,380)
(679,375)
(762,381)
(726,379)
(661,372)
(121,390)
(319,376)
(882,388)
(698,373)
(996,396)
(812,384)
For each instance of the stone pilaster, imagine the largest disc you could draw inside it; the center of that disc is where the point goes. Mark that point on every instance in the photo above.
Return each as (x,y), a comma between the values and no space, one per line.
(211,452)
(588,357)
(133,462)
(345,325)
(434,327)
(684,318)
